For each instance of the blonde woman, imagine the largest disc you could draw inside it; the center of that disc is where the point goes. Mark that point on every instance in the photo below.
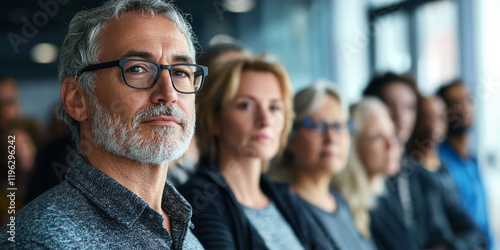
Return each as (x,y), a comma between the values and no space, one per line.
(375,152)
(317,149)
(244,115)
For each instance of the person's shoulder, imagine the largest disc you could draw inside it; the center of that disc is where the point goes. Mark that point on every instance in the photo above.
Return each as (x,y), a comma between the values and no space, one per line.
(424,179)
(45,220)
(203,194)
(194,181)
(199,184)
(446,151)
(55,202)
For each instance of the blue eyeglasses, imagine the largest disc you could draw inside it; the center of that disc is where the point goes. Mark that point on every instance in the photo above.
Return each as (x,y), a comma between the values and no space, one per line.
(322,127)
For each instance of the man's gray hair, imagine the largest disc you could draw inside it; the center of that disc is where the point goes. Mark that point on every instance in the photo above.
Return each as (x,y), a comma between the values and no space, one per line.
(81,46)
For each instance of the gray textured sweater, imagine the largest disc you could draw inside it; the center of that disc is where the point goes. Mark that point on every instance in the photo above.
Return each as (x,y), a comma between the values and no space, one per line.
(91,210)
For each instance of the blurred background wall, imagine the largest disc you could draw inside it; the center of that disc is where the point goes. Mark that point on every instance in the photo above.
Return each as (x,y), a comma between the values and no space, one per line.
(344,41)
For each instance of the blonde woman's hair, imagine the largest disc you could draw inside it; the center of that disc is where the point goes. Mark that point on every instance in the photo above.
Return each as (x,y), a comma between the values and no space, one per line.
(352,181)
(305,102)
(220,89)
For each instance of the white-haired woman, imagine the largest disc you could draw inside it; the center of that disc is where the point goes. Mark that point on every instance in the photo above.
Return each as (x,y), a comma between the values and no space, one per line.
(375,153)
(317,149)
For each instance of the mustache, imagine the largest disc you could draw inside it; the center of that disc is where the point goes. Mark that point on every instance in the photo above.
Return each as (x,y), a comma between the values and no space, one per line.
(162,109)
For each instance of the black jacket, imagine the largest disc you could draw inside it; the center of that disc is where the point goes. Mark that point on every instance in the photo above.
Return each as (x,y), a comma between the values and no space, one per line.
(437,216)
(220,222)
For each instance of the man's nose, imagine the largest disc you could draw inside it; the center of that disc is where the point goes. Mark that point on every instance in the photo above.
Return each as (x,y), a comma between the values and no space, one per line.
(164,90)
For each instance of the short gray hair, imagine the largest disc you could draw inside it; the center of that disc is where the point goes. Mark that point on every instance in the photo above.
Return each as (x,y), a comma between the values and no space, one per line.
(310,99)
(81,46)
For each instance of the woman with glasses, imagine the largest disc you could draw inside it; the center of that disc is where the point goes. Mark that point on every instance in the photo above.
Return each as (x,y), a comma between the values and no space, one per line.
(245,112)
(317,149)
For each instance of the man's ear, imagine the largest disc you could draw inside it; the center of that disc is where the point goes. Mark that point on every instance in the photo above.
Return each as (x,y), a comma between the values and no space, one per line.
(74,101)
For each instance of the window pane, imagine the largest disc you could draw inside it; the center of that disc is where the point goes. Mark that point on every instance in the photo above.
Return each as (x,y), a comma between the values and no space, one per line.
(391,43)
(438,59)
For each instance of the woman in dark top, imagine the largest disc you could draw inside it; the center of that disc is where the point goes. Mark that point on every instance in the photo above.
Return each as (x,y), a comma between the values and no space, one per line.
(245,113)
(317,149)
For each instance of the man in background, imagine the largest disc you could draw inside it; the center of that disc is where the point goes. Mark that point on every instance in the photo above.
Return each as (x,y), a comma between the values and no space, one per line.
(457,157)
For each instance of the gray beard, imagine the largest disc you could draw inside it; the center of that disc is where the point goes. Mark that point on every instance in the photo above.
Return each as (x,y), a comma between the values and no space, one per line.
(112,133)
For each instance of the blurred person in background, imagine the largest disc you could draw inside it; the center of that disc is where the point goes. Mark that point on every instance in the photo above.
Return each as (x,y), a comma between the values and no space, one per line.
(52,160)
(430,131)
(400,94)
(180,170)
(28,136)
(374,153)
(457,156)
(10,108)
(317,149)
(446,217)
(412,205)
(245,114)
(216,51)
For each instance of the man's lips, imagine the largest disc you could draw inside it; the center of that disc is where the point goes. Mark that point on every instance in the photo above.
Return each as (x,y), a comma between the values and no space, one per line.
(163,120)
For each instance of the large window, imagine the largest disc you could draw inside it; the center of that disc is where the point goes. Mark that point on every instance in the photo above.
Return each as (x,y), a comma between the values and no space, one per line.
(420,37)
(392,46)
(438,50)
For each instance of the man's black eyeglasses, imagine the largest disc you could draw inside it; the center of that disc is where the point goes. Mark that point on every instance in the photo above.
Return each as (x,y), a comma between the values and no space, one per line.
(142,74)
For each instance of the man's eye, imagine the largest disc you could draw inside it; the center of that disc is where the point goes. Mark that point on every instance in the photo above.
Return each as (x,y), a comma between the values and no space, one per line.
(180,73)
(136,69)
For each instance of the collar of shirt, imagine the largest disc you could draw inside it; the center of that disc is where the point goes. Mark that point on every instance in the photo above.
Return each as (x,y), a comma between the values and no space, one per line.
(122,204)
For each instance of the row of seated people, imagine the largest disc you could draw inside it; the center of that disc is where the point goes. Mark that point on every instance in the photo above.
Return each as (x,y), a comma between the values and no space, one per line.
(364,180)
(292,174)
(272,172)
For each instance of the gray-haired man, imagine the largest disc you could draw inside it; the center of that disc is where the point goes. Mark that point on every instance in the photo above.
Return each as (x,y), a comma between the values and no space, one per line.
(128,83)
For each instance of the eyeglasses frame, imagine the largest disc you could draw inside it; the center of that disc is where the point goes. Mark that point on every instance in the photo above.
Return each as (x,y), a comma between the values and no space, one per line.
(121,63)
